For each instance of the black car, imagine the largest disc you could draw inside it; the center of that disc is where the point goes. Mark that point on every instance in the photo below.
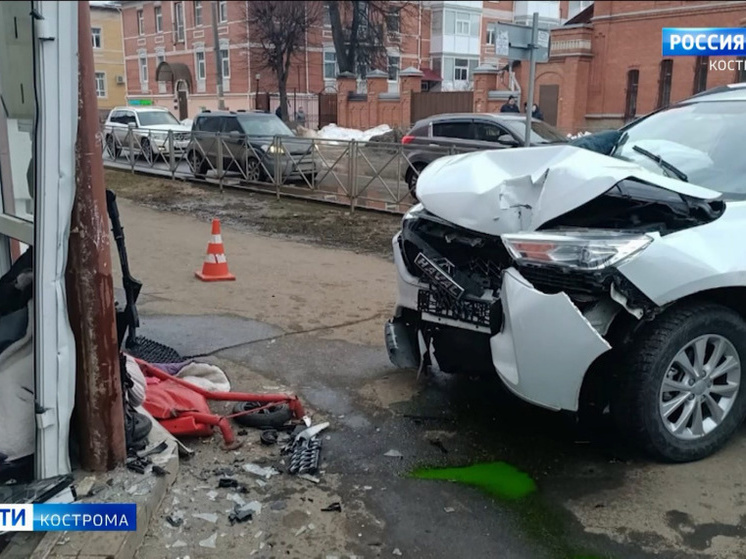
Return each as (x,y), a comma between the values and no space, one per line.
(247,145)
(441,135)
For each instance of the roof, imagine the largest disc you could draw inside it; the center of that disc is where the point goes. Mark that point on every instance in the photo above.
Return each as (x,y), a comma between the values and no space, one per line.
(104,5)
(732,92)
(584,16)
(496,116)
(429,75)
(140,108)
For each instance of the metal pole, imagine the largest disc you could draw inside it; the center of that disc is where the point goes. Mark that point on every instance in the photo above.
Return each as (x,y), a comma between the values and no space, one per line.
(99,413)
(218,60)
(531,76)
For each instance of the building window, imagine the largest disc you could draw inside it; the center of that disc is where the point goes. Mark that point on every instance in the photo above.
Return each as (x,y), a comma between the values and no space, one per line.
(179,12)
(630,107)
(197,12)
(741,69)
(96,34)
(160,58)
(100,84)
(327,20)
(143,68)
(462,23)
(393,21)
(664,83)
(158,19)
(199,58)
(330,65)
(393,68)
(491,33)
(461,69)
(700,73)
(225,61)
(222,11)
(140,23)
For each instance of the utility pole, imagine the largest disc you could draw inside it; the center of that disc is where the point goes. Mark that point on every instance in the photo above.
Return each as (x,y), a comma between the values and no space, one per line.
(531,75)
(99,411)
(218,59)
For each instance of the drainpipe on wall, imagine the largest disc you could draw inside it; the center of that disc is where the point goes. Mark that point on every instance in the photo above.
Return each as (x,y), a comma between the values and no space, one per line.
(248,58)
(305,54)
(419,35)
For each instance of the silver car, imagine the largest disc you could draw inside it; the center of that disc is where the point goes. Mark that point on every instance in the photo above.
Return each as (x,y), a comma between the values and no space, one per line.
(592,281)
(145,131)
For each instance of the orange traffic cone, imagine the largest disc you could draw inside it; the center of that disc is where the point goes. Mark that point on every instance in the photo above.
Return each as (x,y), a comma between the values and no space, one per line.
(215,267)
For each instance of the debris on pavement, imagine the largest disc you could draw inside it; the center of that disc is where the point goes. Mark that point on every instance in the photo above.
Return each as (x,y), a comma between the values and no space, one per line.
(206,516)
(157,449)
(333,507)
(261,471)
(393,453)
(159,471)
(179,543)
(449,509)
(241,513)
(210,542)
(301,530)
(225,482)
(396,552)
(269,436)
(212,495)
(308,477)
(174,520)
(84,487)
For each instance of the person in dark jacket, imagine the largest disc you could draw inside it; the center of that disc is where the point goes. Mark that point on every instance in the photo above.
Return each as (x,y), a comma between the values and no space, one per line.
(278,112)
(536,112)
(510,107)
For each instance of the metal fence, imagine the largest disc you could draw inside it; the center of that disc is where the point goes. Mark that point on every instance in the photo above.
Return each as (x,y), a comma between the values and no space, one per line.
(373,175)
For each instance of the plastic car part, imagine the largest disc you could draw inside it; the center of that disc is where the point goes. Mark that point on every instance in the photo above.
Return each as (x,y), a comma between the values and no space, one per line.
(255,414)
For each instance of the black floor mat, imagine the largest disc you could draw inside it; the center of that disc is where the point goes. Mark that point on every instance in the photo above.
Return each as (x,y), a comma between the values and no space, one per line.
(154,352)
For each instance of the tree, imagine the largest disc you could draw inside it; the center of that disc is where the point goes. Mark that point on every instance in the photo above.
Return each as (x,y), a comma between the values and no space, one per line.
(280,29)
(360,29)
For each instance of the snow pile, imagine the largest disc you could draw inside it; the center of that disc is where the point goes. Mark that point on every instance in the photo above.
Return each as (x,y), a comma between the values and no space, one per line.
(334,132)
(578,135)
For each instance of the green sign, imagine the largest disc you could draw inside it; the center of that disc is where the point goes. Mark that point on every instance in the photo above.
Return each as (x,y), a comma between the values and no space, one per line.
(141,101)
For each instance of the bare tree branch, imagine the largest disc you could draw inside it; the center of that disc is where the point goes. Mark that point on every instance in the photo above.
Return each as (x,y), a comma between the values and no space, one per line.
(280,29)
(361,31)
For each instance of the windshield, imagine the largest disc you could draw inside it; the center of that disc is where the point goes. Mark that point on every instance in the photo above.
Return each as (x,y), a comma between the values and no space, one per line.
(264,125)
(154,118)
(703,140)
(541,132)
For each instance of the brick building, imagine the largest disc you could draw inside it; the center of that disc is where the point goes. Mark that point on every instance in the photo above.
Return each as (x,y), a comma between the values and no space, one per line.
(606,66)
(446,39)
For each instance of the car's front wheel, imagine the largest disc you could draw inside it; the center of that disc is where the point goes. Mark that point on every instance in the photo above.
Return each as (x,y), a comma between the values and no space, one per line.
(413,174)
(681,395)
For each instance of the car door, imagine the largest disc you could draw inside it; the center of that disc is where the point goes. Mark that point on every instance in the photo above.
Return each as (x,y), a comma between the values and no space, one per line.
(456,134)
(234,142)
(126,118)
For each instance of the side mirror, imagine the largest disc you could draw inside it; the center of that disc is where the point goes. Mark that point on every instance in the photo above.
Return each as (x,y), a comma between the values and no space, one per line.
(507,140)
(234,134)
(131,125)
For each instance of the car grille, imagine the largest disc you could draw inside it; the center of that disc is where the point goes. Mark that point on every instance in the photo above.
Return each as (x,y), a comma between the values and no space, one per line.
(181,136)
(549,279)
(480,257)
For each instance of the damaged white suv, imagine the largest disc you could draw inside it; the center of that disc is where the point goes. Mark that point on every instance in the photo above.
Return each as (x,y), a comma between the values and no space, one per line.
(585,279)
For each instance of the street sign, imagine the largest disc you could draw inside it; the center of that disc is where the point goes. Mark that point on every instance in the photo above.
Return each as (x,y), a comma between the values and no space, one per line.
(502,43)
(543,39)
(519,39)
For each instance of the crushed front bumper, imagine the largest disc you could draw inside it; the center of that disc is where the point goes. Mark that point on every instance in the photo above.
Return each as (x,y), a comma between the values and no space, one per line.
(542,350)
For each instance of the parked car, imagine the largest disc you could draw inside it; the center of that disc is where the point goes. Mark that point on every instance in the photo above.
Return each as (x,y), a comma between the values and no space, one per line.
(590,281)
(433,137)
(248,146)
(150,127)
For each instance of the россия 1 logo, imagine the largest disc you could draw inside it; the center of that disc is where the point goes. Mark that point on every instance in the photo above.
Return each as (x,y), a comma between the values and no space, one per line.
(704,41)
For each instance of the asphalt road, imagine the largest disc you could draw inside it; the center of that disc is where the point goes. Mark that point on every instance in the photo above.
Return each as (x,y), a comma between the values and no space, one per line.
(312,318)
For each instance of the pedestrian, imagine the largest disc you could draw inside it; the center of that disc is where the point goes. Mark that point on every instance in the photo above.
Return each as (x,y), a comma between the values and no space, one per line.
(511,106)
(278,112)
(300,116)
(536,112)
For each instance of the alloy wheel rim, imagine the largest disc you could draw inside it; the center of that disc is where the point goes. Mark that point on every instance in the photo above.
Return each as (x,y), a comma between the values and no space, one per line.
(700,387)
(252,171)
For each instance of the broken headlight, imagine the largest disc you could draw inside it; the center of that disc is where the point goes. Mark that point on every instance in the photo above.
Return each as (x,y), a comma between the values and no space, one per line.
(582,250)
(414,212)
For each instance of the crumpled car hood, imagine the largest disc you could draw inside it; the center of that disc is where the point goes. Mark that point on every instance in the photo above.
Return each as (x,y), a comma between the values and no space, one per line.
(512,190)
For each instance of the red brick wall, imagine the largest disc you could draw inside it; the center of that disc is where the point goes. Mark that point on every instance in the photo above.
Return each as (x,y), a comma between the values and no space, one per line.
(627,35)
